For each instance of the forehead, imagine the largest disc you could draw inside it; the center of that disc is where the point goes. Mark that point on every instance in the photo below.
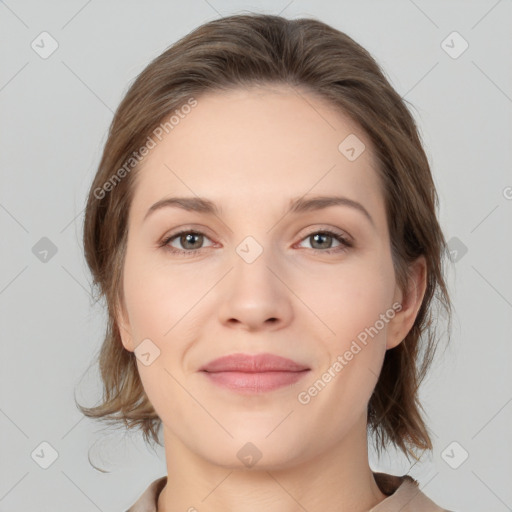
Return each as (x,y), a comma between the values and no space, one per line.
(257,147)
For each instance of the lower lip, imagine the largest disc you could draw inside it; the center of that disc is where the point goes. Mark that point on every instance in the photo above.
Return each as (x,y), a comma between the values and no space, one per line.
(245,382)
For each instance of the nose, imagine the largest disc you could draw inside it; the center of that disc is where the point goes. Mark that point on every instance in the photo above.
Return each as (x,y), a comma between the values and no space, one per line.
(254,296)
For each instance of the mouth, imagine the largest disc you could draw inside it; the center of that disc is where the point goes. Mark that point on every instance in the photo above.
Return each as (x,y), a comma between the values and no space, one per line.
(252,374)
(250,382)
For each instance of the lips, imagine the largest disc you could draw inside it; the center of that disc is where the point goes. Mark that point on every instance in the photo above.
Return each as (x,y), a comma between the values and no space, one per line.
(251,374)
(253,364)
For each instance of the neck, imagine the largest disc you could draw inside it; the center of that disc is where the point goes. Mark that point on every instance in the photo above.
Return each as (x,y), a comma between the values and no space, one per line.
(338,479)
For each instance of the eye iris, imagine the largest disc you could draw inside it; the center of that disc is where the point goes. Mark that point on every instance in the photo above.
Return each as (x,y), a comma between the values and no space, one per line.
(185,239)
(321,236)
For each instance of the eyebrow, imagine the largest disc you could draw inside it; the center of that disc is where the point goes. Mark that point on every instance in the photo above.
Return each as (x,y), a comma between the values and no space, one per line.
(296,205)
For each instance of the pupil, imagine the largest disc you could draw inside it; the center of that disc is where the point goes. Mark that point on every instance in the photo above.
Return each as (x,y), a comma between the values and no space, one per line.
(190,237)
(320,236)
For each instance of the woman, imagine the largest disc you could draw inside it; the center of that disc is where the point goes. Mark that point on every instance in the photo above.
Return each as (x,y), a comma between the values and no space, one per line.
(263,228)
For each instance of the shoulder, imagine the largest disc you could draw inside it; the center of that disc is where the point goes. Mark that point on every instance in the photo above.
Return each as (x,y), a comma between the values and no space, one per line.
(148,500)
(404,494)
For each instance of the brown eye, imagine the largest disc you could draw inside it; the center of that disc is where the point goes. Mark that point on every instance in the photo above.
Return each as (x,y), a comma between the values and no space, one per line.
(318,241)
(323,241)
(190,242)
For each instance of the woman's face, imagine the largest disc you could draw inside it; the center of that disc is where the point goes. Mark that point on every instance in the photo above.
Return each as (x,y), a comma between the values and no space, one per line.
(260,276)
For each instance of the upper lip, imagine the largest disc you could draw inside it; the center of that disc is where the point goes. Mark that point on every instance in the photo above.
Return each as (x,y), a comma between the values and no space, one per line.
(253,364)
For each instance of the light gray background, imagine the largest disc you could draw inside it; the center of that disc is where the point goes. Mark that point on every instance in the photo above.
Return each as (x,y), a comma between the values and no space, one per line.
(54,118)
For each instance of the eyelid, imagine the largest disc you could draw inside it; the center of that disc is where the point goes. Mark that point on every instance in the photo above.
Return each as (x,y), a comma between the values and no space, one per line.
(188,228)
(315,228)
(326,228)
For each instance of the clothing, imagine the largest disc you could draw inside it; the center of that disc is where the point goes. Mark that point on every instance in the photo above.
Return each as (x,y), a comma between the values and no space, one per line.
(402,491)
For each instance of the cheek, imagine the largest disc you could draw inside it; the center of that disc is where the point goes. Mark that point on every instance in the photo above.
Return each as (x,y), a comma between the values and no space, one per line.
(351,298)
(354,308)
(162,306)
(355,304)
(156,300)
(156,297)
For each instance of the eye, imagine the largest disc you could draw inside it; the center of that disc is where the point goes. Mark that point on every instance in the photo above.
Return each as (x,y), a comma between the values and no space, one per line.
(190,240)
(322,241)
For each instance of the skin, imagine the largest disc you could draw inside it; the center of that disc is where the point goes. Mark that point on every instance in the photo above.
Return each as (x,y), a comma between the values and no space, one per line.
(251,151)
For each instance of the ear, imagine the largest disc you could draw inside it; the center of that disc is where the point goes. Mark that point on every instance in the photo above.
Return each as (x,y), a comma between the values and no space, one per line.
(123,324)
(402,322)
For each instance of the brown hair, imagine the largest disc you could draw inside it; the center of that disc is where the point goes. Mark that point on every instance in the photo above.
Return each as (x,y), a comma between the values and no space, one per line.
(253,49)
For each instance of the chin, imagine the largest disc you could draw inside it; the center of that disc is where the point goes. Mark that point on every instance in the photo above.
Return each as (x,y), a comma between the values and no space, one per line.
(253,452)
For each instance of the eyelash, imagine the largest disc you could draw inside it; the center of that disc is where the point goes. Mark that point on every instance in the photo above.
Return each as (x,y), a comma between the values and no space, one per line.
(345,243)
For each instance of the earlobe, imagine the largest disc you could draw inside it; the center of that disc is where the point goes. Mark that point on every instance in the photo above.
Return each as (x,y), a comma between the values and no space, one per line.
(124,328)
(411,302)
